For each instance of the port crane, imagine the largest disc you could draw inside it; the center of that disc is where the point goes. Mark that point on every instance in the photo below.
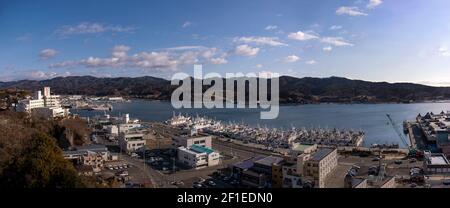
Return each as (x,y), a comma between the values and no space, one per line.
(412,151)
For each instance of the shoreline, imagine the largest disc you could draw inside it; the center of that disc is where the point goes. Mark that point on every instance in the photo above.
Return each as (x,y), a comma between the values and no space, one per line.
(324,103)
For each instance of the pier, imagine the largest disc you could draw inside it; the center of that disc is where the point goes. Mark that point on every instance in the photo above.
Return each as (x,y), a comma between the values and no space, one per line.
(270,138)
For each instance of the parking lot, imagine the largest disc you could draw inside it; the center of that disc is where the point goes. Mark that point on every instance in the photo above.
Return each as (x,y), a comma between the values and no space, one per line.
(399,168)
(129,175)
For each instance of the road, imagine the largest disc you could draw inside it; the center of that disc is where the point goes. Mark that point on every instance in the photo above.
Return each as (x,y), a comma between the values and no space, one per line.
(232,153)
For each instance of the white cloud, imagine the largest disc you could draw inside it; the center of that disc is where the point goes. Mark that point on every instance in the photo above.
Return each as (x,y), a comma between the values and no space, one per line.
(219,60)
(246,50)
(182,48)
(120,51)
(336,27)
(156,60)
(374,3)
(352,11)
(259,66)
(47,53)
(327,48)
(91,28)
(291,59)
(40,75)
(271,27)
(31,75)
(267,74)
(270,41)
(311,62)
(443,51)
(210,55)
(149,60)
(186,24)
(302,36)
(336,41)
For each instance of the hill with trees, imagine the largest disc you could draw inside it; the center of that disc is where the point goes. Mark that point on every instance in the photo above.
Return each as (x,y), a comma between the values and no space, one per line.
(292,89)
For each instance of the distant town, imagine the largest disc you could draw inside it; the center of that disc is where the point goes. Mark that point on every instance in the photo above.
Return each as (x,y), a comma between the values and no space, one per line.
(190,151)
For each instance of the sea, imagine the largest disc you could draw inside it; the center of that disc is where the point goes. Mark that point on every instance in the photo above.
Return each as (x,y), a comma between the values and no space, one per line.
(370,118)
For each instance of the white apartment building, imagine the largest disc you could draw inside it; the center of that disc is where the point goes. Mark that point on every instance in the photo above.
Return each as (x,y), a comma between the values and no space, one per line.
(320,165)
(188,141)
(198,156)
(131,141)
(112,130)
(46,105)
(126,127)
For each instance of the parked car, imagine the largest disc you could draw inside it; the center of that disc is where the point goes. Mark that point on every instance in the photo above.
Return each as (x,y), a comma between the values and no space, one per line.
(446,182)
(123,173)
(211,183)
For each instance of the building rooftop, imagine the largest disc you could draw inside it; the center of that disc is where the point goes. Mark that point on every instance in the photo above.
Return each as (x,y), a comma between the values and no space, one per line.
(302,147)
(268,161)
(201,149)
(188,136)
(91,147)
(247,164)
(321,153)
(438,160)
(74,152)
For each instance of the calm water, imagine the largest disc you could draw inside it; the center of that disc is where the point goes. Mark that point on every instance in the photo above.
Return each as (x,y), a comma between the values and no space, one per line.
(371,118)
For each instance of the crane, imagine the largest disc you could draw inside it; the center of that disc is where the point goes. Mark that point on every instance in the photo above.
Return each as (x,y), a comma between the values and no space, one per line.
(399,133)
(412,151)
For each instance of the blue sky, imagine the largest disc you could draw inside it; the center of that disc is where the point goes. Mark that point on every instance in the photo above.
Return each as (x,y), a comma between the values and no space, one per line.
(376,40)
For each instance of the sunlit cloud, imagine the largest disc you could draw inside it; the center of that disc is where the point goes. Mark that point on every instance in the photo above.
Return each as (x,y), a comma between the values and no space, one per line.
(271,27)
(246,50)
(374,3)
(149,60)
(269,41)
(311,62)
(351,11)
(291,59)
(302,36)
(186,24)
(47,53)
(92,28)
(336,41)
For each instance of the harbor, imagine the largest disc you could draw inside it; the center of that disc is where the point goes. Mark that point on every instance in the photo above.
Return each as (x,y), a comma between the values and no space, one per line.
(371,119)
(271,138)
